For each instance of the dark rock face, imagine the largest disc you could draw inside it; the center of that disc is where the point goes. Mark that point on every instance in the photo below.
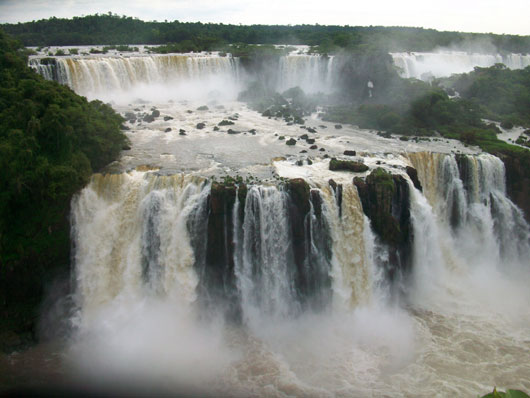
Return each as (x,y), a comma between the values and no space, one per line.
(413,174)
(386,201)
(216,269)
(312,279)
(518,182)
(347,165)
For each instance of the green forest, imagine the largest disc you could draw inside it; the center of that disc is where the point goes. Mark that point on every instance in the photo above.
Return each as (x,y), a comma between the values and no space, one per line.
(51,141)
(112,29)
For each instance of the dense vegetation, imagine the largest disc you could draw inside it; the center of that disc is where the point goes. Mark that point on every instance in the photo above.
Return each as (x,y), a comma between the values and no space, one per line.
(51,140)
(412,107)
(113,29)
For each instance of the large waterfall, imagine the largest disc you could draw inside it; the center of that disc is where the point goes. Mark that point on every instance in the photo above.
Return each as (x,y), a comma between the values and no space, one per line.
(444,63)
(212,258)
(297,274)
(95,76)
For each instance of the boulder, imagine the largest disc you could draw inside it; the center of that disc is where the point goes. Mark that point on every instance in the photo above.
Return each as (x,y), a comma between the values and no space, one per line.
(291,141)
(347,165)
(350,153)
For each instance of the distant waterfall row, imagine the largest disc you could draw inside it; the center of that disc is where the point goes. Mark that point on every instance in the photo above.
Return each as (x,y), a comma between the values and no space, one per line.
(89,75)
(271,252)
(102,74)
(440,64)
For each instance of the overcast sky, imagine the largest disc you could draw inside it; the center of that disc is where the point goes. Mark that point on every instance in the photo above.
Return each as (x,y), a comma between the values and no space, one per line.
(497,16)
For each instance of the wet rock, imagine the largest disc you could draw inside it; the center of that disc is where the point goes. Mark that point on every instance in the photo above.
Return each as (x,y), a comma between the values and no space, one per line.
(167,130)
(281,138)
(322,150)
(304,136)
(182,131)
(299,163)
(202,108)
(225,123)
(126,147)
(215,128)
(385,200)
(291,142)
(155,113)
(303,151)
(413,174)
(350,153)
(230,131)
(200,126)
(347,165)
(166,118)
(310,140)
(311,130)
(338,126)
(149,118)
(313,147)
(130,116)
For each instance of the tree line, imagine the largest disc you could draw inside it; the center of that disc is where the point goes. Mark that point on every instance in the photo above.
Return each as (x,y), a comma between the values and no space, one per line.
(112,29)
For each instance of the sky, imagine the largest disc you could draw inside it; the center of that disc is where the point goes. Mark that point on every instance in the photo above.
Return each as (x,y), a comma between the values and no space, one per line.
(482,16)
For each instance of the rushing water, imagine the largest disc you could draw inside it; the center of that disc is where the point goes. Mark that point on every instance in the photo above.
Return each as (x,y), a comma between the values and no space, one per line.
(445,63)
(260,290)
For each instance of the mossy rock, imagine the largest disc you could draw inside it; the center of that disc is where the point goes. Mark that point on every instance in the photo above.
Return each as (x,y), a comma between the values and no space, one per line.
(347,165)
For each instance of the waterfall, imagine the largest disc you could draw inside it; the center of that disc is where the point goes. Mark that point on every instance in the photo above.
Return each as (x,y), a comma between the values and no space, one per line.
(441,64)
(287,287)
(312,73)
(467,195)
(97,75)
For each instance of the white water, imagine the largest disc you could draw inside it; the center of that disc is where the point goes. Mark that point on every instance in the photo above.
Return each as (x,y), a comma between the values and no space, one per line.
(141,76)
(460,329)
(312,73)
(445,63)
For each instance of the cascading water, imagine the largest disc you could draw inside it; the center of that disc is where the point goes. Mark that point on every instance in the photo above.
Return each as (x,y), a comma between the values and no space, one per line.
(442,64)
(309,309)
(312,73)
(96,76)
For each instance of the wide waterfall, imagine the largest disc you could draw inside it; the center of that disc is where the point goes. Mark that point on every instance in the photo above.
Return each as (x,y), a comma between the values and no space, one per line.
(97,76)
(280,289)
(100,76)
(445,63)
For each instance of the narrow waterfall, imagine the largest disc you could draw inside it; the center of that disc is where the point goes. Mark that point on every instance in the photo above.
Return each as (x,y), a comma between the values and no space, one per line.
(312,73)
(442,64)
